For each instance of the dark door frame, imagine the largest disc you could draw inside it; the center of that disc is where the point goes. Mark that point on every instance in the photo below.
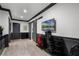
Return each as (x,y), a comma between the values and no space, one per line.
(30,29)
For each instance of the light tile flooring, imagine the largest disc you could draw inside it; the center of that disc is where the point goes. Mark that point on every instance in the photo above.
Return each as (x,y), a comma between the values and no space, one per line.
(24,47)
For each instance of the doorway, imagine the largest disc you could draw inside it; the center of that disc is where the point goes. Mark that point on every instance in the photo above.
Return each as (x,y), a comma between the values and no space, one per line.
(33,30)
(16,31)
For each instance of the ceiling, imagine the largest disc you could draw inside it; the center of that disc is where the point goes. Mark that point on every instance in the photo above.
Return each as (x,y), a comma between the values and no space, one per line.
(17,9)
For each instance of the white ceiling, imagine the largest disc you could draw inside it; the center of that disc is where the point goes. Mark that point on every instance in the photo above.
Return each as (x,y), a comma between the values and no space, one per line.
(17,9)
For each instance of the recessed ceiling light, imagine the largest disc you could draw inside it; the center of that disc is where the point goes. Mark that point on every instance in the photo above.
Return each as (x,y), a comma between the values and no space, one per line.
(25,11)
(21,16)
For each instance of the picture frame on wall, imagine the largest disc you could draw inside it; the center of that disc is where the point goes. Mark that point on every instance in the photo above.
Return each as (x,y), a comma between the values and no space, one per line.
(49,25)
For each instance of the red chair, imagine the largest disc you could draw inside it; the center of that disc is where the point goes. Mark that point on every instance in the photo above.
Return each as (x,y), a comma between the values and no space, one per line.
(39,41)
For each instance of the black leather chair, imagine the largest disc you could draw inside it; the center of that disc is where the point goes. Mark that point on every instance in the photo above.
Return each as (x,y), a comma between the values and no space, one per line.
(75,50)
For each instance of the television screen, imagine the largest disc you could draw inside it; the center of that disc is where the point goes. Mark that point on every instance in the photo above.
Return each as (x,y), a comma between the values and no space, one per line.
(49,25)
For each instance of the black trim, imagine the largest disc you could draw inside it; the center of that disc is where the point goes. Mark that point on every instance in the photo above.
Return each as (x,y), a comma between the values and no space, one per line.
(46,8)
(23,35)
(8,10)
(0,6)
(67,37)
(19,20)
(5,39)
(5,9)
(37,19)
(64,37)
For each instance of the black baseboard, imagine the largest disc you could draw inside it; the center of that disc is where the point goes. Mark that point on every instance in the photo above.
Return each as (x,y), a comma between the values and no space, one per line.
(22,35)
(6,37)
(4,41)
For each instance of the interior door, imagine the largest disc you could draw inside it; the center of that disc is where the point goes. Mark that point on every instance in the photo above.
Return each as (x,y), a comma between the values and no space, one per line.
(16,31)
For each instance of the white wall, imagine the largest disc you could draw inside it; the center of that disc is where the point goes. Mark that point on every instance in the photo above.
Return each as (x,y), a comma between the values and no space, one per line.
(23,26)
(4,21)
(67,19)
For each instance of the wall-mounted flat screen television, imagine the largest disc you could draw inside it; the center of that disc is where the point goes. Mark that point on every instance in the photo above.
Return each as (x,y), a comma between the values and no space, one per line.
(49,25)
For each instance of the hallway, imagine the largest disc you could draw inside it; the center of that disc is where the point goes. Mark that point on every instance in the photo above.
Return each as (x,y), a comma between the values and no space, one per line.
(54,26)
(23,48)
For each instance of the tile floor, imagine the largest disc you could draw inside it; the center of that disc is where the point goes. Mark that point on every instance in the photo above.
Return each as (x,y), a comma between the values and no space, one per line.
(24,47)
